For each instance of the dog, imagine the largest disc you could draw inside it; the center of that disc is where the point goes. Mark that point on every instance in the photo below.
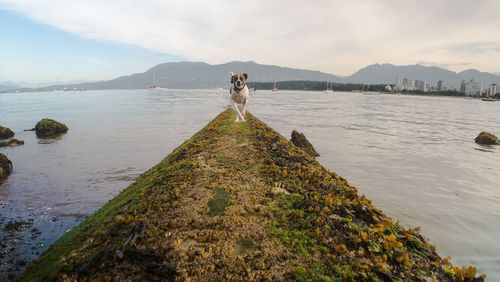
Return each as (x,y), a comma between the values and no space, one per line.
(239,95)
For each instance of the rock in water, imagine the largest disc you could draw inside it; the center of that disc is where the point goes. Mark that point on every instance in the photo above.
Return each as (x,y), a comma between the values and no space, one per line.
(49,127)
(300,140)
(5,166)
(5,132)
(11,142)
(485,138)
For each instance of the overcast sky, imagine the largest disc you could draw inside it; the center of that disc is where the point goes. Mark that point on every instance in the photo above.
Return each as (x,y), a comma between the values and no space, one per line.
(337,37)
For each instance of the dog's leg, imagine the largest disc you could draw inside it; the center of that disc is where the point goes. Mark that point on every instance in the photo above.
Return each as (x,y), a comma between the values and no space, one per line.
(241,107)
(239,117)
(244,108)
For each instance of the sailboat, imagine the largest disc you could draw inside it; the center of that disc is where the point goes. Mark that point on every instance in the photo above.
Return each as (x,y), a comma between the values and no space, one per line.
(274,88)
(491,96)
(253,89)
(156,87)
(328,90)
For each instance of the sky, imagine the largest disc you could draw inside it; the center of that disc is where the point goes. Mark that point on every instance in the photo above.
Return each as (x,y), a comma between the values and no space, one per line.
(45,40)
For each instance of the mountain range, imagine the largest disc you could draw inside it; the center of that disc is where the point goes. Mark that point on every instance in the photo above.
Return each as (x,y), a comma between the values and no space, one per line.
(185,75)
(386,73)
(199,75)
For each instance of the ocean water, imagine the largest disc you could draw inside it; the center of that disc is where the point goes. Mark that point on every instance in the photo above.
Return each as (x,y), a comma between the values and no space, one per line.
(413,156)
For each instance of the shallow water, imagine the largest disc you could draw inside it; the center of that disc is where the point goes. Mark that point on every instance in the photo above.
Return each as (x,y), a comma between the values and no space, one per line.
(413,156)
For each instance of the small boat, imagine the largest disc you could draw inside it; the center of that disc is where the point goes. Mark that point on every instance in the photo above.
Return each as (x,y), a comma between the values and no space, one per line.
(371,92)
(328,90)
(253,89)
(490,97)
(156,87)
(274,88)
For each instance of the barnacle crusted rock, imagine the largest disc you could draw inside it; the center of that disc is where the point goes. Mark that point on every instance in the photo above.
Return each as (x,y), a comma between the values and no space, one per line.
(5,166)
(486,138)
(49,127)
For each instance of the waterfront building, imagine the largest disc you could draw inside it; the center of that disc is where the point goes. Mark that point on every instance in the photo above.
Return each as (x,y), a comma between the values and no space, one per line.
(411,84)
(399,83)
(420,85)
(462,86)
(493,90)
(405,84)
(440,86)
(471,88)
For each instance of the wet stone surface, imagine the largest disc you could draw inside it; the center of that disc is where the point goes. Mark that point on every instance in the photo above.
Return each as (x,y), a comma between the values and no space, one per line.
(25,234)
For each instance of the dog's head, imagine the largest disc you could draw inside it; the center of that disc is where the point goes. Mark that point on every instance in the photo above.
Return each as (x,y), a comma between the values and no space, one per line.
(239,80)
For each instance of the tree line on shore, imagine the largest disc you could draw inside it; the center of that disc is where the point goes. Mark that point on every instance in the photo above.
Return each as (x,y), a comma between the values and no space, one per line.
(309,85)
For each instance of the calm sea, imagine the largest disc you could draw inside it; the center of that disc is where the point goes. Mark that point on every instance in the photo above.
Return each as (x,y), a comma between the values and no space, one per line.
(413,156)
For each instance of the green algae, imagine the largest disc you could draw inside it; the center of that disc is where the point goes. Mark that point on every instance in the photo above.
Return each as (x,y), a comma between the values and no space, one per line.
(5,133)
(49,127)
(246,245)
(219,202)
(300,140)
(5,166)
(486,138)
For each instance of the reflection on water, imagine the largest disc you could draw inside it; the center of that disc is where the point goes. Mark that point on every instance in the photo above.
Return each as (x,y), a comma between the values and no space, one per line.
(414,156)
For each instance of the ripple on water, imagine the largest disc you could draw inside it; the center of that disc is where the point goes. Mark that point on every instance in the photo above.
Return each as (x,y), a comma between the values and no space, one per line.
(413,156)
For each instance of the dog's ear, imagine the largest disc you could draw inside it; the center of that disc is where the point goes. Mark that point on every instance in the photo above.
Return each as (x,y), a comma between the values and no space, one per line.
(232,78)
(245,75)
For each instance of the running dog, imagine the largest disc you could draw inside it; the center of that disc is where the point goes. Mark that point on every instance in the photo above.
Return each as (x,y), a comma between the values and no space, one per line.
(239,95)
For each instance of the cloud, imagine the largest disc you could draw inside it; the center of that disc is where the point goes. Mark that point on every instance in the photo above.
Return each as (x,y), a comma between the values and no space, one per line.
(443,65)
(475,47)
(330,35)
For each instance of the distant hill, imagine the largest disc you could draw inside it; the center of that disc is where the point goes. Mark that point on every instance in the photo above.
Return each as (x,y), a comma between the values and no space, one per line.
(199,75)
(7,85)
(202,75)
(386,73)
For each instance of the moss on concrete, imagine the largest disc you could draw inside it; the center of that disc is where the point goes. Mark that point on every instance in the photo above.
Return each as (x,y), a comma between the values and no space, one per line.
(316,229)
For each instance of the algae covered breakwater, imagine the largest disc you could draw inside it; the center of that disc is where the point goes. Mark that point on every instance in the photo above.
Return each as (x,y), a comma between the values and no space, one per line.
(238,201)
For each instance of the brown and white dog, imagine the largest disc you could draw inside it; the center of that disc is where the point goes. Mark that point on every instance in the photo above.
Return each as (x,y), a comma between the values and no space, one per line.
(239,95)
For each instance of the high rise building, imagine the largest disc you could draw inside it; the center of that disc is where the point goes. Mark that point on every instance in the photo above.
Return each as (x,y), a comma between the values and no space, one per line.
(472,88)
(399,84)
(405,84)
(440,86)
(462,86)
(411,84)
(493,90)
(420,85)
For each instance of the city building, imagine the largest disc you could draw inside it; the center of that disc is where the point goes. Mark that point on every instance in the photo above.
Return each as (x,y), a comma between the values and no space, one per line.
(420,85)
(493,90)
(462,86)
(405,84)
(471,88)
(440,86)
(399,83)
